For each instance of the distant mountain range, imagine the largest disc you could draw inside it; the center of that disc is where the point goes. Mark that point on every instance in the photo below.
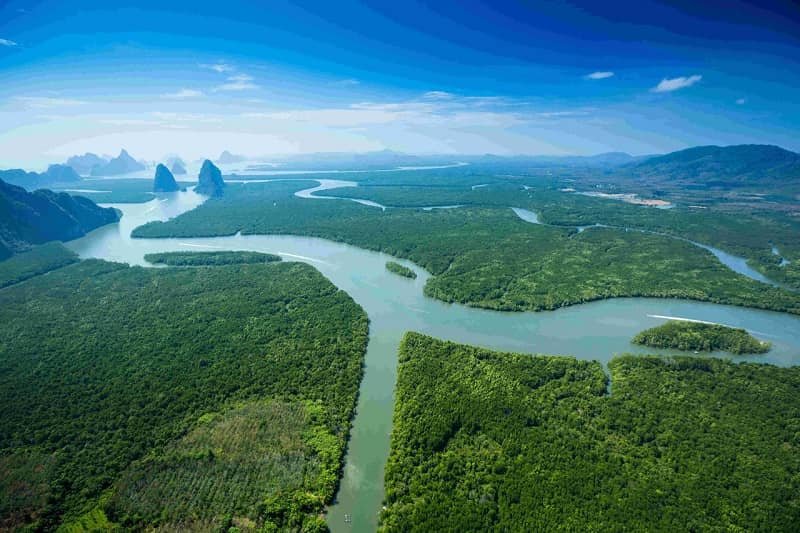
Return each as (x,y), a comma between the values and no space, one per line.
(386,159)
(83,164)
(55,174)
(122,164)
(227,158)
(28,218)
(608,159)
(731,167)
(178,168)
(353,161)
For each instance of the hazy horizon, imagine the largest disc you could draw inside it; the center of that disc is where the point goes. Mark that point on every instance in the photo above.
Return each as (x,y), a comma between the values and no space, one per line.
(451,79)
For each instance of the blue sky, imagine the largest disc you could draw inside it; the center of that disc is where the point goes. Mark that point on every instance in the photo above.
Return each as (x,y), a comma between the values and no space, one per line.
(426,77)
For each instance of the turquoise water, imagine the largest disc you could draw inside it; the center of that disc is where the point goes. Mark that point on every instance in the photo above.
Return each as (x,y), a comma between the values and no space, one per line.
(395,304)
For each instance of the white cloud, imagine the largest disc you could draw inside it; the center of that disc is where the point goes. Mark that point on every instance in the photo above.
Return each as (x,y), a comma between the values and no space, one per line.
(218,67)
(673,84)
(483,101)
(599,75)
(130,122)
(741,101)
(350,82)
(438,95)
(7,42)
(398,107)
(562,114)
(170,117)
(46,102)
(452,111)
(183,94)
(457,123)
(238,82)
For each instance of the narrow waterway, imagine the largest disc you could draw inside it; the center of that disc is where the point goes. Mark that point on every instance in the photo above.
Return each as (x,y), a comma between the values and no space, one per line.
(735,263)
(597,330)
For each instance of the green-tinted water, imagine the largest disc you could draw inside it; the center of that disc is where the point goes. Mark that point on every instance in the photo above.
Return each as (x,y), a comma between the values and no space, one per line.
(395,305)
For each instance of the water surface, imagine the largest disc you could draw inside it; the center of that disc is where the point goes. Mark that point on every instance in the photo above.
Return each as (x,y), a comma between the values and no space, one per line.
(396,304)
(734,262)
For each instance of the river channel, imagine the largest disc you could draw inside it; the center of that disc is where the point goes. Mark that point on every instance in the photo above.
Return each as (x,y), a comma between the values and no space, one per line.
(597,330)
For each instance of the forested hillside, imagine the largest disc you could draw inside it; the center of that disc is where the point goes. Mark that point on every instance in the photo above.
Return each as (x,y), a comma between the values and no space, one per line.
(751,166)
(28,218)
(487,441)
(38,260)
(177,397)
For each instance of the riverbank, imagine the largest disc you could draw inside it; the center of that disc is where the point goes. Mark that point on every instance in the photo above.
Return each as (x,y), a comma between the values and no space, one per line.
(593,331)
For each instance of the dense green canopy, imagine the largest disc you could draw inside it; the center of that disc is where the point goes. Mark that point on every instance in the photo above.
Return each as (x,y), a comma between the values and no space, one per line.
(694,336)
(109,375)
(210,258)
(486,256)
(486,441)
(400,270)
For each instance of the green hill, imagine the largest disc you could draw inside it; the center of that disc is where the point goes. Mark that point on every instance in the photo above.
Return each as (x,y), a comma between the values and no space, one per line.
(28,218)
(748,165)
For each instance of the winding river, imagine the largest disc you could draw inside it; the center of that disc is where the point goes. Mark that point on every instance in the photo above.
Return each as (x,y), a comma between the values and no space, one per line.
(597,330)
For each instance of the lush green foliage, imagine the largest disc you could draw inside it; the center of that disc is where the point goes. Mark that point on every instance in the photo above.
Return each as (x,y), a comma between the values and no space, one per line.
(262,456)
(749,166)
(400,270)
(28,218)
(210,258)
(122,191)
(487,257)
(484,441)
(750,234)
(37,260)
(696,336)
(779,267)
(102,365)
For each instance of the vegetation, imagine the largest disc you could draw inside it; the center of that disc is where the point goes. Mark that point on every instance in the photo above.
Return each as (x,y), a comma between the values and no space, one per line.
(754,166)
(270,461)
(779,268)
(487,257)
(37,260)
(484,441)
(117,190)
(400,270)
(210,258)
(116,378)
(698,336)
(28,218)
(746,233)
(55,174)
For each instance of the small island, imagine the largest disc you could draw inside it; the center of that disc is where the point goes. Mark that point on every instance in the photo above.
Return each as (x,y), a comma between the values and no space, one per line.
(701,337)
(210,258)
(400,270)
